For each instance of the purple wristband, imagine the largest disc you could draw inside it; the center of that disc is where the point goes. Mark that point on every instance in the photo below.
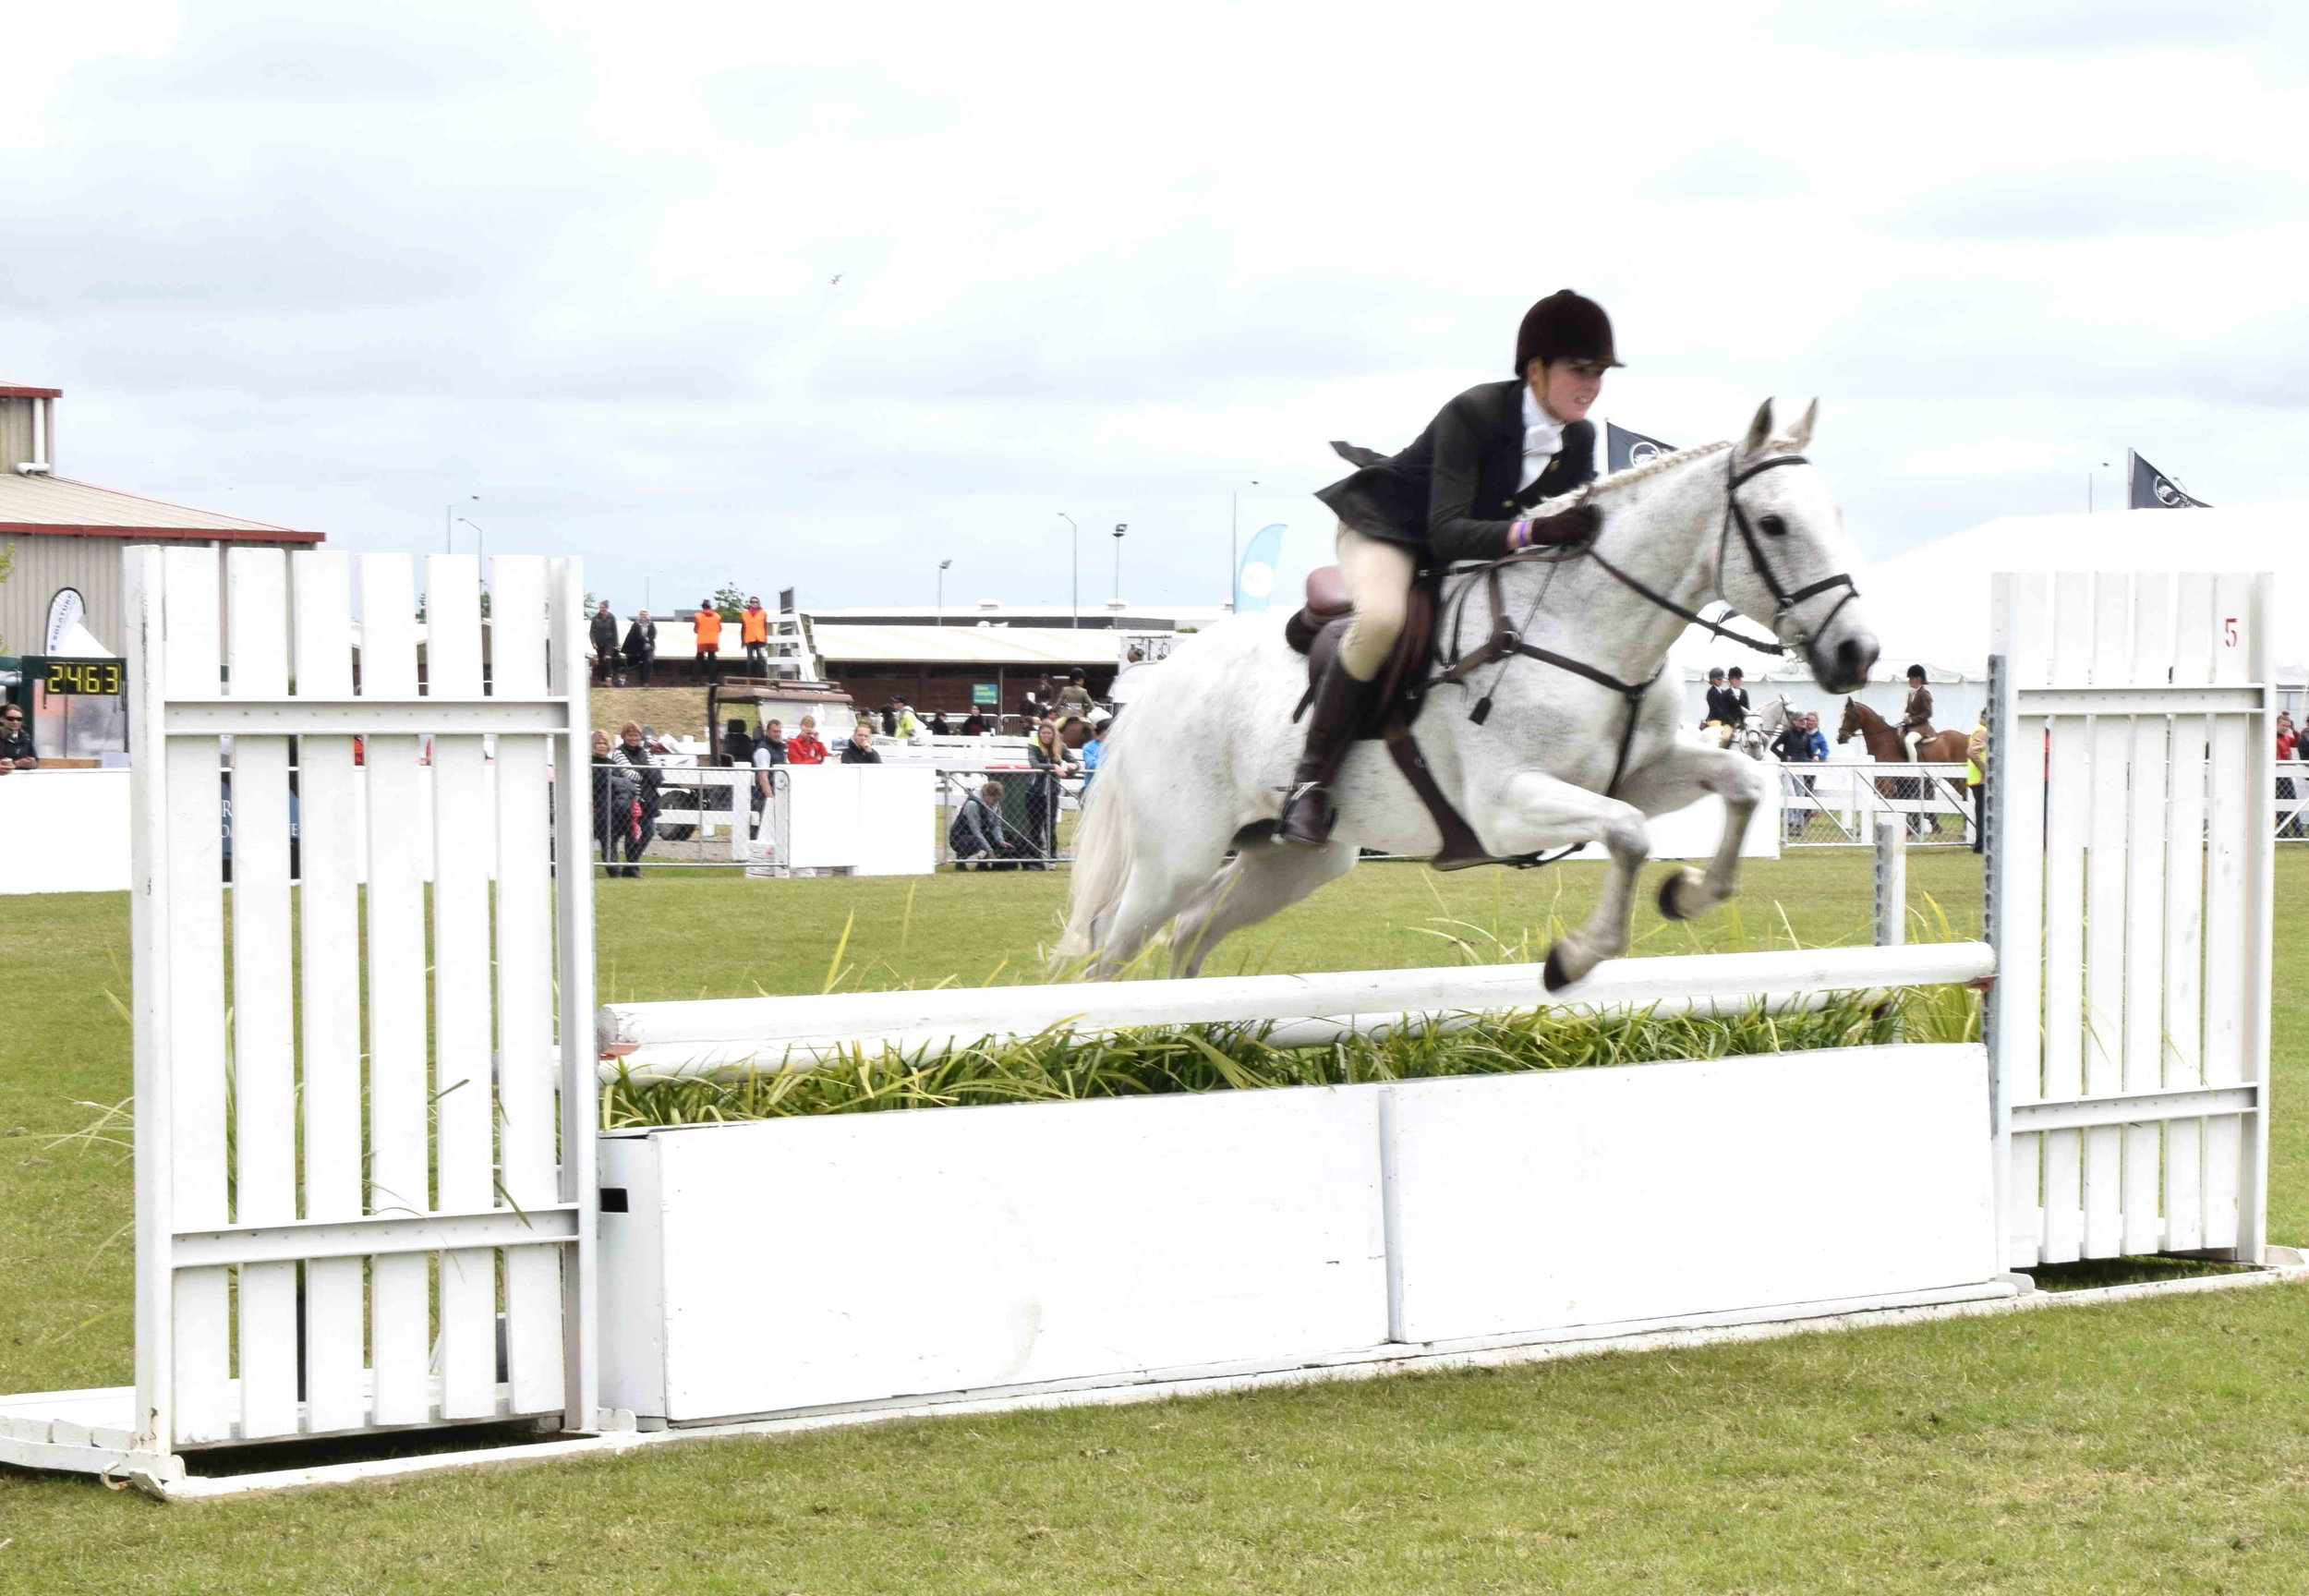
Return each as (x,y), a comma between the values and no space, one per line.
(1518,534)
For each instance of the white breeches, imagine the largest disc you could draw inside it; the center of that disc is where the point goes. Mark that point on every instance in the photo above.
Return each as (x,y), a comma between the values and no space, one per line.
(1378,576)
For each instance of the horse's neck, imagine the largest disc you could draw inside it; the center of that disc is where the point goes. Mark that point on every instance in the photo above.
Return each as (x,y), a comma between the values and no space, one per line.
(1883,741)
(1662,542)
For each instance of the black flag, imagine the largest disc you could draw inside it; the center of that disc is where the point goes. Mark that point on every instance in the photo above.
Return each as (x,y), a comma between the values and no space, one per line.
(1622,447)
(2152,490)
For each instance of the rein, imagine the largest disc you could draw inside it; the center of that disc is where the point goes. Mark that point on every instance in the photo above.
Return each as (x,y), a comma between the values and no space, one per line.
(1506,643)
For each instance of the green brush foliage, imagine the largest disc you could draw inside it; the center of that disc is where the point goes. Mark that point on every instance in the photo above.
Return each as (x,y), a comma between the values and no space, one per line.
(1058,1065)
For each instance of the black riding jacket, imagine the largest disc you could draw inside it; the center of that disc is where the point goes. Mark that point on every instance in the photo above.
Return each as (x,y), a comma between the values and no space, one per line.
(1454,492)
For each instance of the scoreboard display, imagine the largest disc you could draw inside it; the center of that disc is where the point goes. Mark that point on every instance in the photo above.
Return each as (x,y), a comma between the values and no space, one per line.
(99,677)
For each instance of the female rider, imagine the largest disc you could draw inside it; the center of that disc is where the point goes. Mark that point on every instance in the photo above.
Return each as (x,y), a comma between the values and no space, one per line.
(1462,491)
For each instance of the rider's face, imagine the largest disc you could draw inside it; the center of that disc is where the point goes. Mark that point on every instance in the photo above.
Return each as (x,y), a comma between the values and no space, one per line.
(1568,387)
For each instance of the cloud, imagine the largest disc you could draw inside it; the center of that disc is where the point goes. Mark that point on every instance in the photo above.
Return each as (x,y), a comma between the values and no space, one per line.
(775,105)
(2072,29)
(1731,171)
(2117,199)
(330,57)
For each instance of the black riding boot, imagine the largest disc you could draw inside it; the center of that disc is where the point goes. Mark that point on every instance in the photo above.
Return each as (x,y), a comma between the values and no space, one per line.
(1339,704)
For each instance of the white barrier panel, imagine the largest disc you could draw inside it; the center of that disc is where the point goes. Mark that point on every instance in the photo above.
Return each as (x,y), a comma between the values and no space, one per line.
(868,819)
(64,831)
(761,1267)
(1541,1201)
(789,1262)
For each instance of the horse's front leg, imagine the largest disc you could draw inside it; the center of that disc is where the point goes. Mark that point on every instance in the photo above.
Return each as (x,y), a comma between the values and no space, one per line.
(1683,775)
(1535,812)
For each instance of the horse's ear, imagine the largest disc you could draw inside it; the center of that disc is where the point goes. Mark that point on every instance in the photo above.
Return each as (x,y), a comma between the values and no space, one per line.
(1758,430)
(1802,436)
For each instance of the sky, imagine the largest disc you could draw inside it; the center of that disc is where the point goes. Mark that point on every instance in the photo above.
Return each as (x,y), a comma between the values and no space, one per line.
(819,297)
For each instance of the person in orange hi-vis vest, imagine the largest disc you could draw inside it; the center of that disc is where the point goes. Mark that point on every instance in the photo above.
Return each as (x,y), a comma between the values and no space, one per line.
(708,621)
(754,629)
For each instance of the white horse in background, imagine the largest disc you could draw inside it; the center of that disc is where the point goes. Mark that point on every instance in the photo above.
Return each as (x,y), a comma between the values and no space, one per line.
(1764,725)
(1205,753)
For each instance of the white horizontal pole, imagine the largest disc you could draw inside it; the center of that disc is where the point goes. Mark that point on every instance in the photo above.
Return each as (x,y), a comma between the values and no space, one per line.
(725,1035)
(380,1234)
(366,717)
(2135,1108)
(2141,700)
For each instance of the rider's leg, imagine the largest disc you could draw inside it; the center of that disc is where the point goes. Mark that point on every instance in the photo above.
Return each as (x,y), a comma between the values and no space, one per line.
(1378,576)
(1912,741)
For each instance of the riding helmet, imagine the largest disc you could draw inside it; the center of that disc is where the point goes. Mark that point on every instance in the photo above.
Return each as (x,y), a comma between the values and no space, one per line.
(1565,326)
(1916,672)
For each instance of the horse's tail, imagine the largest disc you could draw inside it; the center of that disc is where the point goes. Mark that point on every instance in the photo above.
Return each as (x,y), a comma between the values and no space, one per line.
(1102,855)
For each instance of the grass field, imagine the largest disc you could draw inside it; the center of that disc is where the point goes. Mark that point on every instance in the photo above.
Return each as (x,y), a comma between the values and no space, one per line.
(2150,1445)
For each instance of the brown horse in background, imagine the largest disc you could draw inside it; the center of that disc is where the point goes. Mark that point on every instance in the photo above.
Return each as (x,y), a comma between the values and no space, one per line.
(1885,743)
(1886,747)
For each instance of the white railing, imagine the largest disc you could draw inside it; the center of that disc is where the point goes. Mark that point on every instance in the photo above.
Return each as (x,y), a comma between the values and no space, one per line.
(1838,805)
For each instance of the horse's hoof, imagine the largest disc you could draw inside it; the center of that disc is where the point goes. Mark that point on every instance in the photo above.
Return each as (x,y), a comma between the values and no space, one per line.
(1555,978)
(1669,908)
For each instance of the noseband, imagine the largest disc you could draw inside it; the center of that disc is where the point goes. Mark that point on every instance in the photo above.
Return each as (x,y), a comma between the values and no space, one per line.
(1783,599)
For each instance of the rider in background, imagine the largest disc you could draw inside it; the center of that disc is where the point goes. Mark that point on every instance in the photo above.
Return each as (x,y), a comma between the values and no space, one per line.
(1463,491)
(1072,699)
(1727,705)
(1915,721)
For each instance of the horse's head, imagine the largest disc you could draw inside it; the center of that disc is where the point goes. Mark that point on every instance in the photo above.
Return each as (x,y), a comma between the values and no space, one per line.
(1849,727)
(1787,562)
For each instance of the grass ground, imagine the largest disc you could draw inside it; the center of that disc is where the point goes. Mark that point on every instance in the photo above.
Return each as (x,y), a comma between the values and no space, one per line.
(2157,1445)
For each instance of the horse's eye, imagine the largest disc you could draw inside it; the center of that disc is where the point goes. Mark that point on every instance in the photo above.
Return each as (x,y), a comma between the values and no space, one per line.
(1773,526)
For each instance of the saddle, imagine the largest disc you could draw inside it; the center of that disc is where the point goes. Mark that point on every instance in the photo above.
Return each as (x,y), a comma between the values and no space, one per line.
(1394,703)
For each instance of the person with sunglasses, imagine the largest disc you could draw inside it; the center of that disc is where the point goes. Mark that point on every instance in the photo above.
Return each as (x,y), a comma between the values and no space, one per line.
(16,742)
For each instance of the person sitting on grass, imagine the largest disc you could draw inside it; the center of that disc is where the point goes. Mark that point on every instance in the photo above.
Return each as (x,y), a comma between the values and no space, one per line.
(979,833)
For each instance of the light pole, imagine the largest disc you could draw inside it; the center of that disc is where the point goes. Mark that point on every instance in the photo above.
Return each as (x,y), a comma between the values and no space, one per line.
(1121,528)
(449,523)
(941,610)
(1075,566)
(481,545)
(1234,523)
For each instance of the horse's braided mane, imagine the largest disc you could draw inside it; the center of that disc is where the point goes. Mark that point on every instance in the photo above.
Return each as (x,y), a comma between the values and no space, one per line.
(1654,465)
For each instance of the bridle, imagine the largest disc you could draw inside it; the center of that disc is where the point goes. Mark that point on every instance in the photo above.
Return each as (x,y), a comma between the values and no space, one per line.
(1505,642)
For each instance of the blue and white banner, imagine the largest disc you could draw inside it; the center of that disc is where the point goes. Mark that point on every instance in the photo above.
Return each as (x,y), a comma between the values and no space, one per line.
(1254,579)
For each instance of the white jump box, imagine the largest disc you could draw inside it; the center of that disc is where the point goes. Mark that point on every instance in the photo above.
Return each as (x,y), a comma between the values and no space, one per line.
(782,1265)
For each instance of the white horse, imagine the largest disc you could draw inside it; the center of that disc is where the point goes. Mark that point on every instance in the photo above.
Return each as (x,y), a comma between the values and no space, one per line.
(1764,725)
(1205,753)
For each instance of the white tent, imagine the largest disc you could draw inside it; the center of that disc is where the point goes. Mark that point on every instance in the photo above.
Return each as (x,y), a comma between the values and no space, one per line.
(1933,602)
